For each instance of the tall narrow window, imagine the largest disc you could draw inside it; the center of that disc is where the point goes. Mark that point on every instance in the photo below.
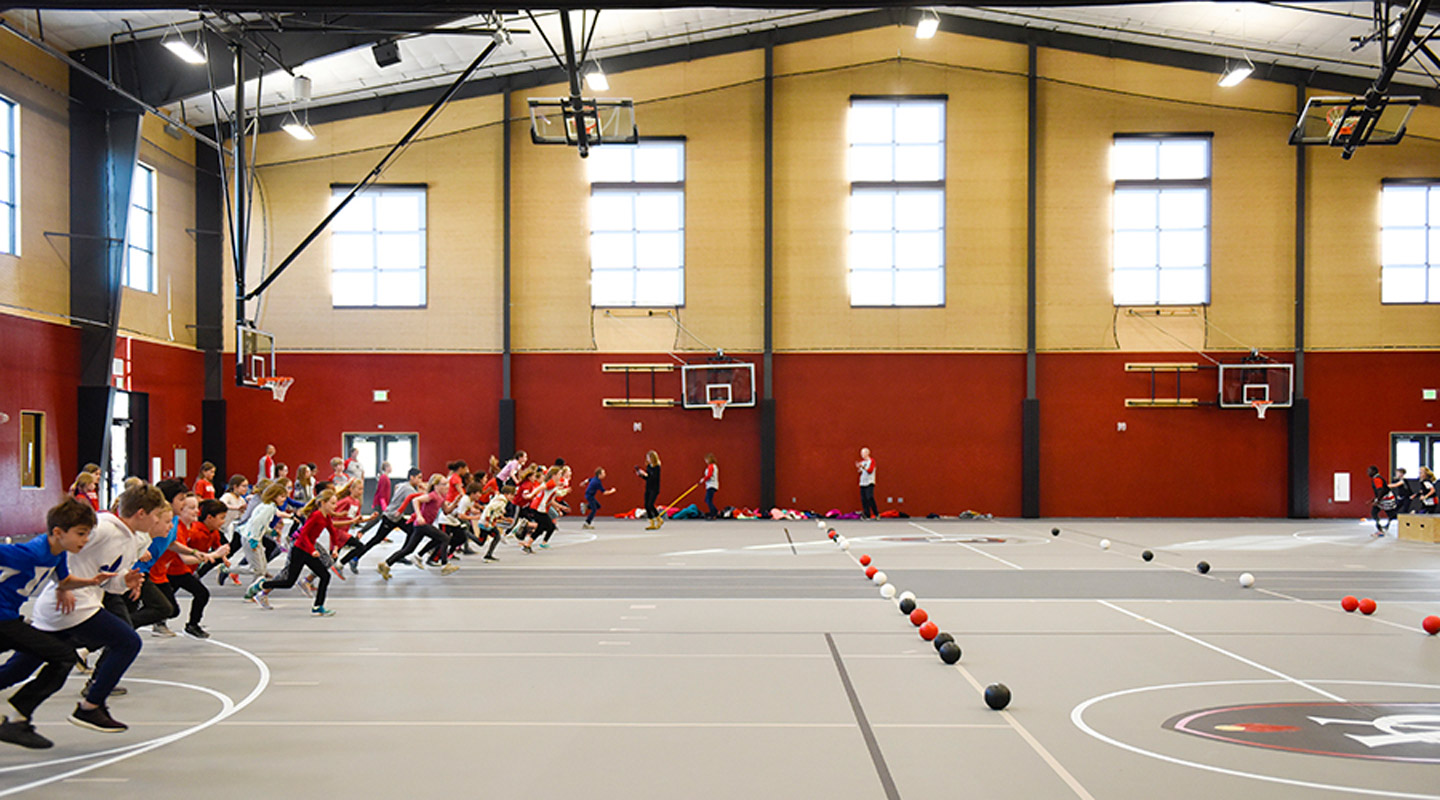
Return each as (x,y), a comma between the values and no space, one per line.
(140,231)
(1410,242)
(637,224)
(32,450)
(9,182)
(897,201)
(1161,246)
(377,248)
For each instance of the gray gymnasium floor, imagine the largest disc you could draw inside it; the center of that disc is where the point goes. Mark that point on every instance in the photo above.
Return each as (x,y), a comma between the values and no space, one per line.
(715,660)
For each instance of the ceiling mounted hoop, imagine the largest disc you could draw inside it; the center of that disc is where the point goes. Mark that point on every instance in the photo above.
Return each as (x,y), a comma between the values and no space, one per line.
(278,386)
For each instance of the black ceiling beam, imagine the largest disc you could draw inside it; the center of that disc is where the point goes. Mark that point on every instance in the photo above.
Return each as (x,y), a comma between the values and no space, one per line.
(850,24)
(145,68)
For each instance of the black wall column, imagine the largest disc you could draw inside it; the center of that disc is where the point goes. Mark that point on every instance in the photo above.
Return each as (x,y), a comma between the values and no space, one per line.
(209,304)
(104,141)
(1299,416)
(506,434)
(768,445)
(1030,407)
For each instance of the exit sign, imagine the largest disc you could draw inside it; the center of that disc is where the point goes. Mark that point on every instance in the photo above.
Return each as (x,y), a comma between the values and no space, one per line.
(1427,394)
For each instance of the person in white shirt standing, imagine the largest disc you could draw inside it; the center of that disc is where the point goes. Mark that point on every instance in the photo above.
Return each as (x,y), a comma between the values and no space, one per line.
(866,467)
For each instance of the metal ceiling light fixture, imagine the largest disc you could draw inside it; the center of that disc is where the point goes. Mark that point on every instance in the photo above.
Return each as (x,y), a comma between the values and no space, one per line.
(292,124)
(596,80)
(184,50)
(1237,71)
(928,25)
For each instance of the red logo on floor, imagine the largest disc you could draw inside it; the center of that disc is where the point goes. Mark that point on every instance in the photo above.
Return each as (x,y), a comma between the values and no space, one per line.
(1407,732)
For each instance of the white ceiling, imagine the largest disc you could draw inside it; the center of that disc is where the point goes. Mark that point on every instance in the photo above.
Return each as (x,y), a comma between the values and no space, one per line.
(1314,35)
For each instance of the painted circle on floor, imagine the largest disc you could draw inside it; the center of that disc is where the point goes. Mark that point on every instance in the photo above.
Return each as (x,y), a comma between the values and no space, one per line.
(1385,731)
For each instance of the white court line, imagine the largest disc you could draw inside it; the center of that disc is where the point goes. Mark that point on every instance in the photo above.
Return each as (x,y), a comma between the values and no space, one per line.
(123,753)
(971,548)
(522,724)
(1222,651)
(1077,717)
(1034,743)
(1333,609)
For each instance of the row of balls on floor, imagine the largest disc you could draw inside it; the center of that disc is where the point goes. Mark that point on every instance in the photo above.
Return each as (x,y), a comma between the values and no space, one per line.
(997,695)
(1366,606)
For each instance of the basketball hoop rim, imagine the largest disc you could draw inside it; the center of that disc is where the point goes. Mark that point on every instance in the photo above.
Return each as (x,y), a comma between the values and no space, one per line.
(1261,406)
(717,407)
(278,386)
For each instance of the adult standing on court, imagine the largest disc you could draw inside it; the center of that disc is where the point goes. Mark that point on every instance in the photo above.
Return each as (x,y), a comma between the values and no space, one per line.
(866,467)
(267,465)
(651,474)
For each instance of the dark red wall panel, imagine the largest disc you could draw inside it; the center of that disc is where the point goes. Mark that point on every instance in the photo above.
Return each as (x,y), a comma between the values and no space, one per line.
(450,400)
(39,362)
(1357,401)
(944,430)
(558,413)
(1169,462)
(174,379)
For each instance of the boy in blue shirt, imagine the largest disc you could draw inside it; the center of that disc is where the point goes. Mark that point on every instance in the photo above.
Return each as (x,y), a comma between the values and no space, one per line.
(24,570)
(593,489)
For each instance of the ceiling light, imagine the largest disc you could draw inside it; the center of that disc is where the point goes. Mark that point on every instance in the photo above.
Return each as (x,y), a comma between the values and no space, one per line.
(300,130)
(1236,72)
(185,51)
(596,79)
(928,25)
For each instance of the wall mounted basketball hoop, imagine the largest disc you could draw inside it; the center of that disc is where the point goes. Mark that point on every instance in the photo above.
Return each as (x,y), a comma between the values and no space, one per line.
(717,407)
(278,386)
(1260,406)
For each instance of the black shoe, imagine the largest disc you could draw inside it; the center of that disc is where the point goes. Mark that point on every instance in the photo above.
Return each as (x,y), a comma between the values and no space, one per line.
(196,631)
(118,691)
(97,719)
(21,732)
(491,558)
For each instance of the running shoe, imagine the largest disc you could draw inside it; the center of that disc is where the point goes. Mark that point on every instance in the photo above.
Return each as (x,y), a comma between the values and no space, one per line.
(384,568)
(587,526)
(321,611)
(161,629)
(118,691)
(308,585)
(355,566)
(449,569)
(97,719)
(264,600)
(22,732)
(491,558)
(253,589)
(544,545)
(195,630)
(82,663)
(525,548)
(338,570)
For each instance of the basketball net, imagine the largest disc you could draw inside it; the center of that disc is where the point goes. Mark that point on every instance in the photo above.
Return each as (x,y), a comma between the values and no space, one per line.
(1260,406)
(278,386)
(717,408)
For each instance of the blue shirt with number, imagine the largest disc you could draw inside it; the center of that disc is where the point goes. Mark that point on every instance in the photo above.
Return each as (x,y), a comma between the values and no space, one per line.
(23,570)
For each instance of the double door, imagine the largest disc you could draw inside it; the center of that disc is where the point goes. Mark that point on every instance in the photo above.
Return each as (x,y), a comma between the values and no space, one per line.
(401,450)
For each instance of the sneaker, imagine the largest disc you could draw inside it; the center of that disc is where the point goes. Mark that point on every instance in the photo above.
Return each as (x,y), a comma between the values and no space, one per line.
(587,526)
(195,630)
(22,732)
(253,589)
(417,562)
(491,558)
(338,570)
(161,629)
(449,569)
(97,719)
(544,545)
(321,611)
(222,574)
(82,661)
(307,587)
(118,691)
(384,568)
(355,566)
(525,548)
(264,600)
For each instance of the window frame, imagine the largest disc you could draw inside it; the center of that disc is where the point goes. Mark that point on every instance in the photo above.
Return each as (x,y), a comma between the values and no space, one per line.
(35,443)
(1158,185)
(339,190)
(10,110)
(896,189)
(637,189)
(1432,261)
(151,182)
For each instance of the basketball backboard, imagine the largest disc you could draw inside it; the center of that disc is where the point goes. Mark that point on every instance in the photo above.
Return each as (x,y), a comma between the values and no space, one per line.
(1350,122)
(553,120)
(731,381)
(255,355)
(1243,385)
